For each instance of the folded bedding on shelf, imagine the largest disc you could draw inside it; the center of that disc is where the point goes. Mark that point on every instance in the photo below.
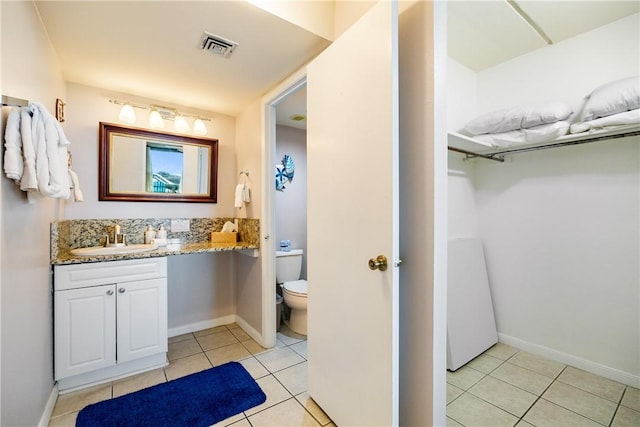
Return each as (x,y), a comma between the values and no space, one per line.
(534,135)
(612,98)
(627,118)
(522,117)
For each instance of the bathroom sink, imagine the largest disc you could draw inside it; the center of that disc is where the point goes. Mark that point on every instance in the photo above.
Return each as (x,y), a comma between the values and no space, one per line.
(113,250)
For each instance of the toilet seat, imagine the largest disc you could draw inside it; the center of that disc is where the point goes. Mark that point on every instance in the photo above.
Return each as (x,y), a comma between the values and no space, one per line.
(296,287)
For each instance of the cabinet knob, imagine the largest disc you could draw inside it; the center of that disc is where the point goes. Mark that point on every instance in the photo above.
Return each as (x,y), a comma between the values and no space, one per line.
(121,290)
(110,292)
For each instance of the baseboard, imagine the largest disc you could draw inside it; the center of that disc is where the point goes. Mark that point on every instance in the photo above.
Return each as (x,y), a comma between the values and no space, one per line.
(48,409)
(575,361)
(257,336)
(198,326)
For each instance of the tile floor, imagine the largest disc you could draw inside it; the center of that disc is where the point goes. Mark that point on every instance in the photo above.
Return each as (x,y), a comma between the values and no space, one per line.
(506,387)
(503,386)
(280,372)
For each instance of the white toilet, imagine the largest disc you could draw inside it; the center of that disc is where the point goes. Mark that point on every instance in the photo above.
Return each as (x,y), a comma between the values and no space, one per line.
(294,290)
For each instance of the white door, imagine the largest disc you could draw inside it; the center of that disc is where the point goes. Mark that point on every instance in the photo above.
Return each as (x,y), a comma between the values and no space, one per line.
(142,319)
(85,330)
(352,157)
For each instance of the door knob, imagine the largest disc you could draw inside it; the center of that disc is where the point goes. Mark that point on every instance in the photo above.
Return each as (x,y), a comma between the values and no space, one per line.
(121,290)
(109,292)
(379,263)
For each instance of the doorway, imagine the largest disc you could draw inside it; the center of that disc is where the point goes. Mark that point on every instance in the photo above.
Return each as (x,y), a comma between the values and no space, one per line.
(290,197)
(271,103)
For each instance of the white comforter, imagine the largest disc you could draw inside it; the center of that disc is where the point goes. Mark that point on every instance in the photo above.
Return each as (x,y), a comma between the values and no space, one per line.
(627,118)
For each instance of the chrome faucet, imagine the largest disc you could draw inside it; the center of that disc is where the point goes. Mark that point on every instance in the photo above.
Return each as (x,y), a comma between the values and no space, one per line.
(119,239)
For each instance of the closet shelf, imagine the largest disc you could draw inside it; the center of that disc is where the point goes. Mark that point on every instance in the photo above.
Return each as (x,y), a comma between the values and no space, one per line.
(473,148)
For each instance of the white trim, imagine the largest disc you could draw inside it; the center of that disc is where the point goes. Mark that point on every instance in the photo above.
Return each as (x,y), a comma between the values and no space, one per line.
(112,373)
(48,408)
(440,212)
(269,102)
(198,326)
(575,361)
(252,332)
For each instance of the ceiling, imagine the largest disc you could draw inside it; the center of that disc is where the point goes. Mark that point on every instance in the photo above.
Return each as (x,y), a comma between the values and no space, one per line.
(481,34)
(151,48)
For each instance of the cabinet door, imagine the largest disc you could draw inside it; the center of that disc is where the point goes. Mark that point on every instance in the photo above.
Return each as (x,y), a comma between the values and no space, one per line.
(85,330)
(142,319)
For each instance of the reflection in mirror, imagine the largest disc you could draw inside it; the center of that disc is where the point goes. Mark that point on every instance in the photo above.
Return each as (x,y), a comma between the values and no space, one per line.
(142,165)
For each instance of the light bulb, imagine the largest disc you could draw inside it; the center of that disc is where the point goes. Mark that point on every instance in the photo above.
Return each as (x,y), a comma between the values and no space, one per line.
(127,114)
(199,128)
(181,124)
(155,120)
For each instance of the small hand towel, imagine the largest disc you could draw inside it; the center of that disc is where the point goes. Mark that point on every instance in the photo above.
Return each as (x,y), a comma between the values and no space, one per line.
(246,194)
(238,199)
(75,183)
(13,163)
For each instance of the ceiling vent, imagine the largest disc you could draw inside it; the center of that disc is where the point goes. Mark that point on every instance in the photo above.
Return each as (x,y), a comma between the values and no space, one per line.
(218,45)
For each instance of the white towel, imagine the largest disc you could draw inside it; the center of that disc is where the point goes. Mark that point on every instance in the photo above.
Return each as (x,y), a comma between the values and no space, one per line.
(29,179)
(246,194)
(13,163)
(238,198)
(75,182)
(52,166)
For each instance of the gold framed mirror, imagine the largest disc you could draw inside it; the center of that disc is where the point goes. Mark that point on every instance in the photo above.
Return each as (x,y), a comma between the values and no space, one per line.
(140,165)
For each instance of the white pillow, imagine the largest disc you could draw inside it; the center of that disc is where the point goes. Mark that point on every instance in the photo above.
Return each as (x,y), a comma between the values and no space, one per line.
(519,118)
(534,135)
(612,98)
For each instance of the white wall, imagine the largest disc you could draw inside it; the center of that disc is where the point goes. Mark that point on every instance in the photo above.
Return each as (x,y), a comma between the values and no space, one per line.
(30,70)
(291,204)
(561,226)
(249,270)
(561,230)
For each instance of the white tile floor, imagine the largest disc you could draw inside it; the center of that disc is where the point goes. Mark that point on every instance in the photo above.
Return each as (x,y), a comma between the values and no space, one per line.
(280,372)
(506,387)
(503,386)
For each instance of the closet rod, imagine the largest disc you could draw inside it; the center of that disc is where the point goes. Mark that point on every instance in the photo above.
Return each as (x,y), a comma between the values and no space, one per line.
(471,154)
(9,101)
(566,143)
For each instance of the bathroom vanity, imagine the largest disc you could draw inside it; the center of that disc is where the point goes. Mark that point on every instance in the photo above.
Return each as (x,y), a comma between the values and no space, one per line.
(110,311)
(110,319)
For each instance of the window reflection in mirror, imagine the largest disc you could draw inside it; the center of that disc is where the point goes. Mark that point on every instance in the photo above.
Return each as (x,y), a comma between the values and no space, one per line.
(137,164)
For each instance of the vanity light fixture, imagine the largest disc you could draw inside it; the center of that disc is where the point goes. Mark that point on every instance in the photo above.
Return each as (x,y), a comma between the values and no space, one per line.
(159,114)
(199,128)
(127,114)
(155,120)
(180,124)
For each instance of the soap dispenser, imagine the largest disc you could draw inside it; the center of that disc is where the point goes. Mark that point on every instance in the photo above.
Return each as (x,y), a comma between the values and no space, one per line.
(161,236)
(149,235)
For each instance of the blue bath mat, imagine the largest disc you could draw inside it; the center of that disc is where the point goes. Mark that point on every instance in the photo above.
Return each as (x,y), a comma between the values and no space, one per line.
(200,399)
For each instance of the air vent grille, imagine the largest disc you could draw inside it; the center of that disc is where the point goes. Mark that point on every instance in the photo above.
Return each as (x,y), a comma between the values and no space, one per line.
(217,45)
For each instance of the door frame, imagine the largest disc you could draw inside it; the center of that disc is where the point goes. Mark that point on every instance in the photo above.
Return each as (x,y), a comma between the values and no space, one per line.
(268,252)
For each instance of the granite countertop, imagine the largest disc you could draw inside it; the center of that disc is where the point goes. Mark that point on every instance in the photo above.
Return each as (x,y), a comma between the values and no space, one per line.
(65,257)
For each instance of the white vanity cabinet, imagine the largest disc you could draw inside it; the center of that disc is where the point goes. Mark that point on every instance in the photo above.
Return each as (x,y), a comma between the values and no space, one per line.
(110,320)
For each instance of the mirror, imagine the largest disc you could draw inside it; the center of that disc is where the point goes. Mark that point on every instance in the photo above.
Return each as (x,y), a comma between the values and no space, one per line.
(148,166)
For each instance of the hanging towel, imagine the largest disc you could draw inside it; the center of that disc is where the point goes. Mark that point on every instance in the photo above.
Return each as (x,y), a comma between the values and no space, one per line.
(246,194)
(238,198)
(29,181)
(77,193)
(52,167)
(13,163)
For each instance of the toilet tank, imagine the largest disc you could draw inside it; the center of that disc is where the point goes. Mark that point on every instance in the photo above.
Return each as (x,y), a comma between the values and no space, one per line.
(288,265)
